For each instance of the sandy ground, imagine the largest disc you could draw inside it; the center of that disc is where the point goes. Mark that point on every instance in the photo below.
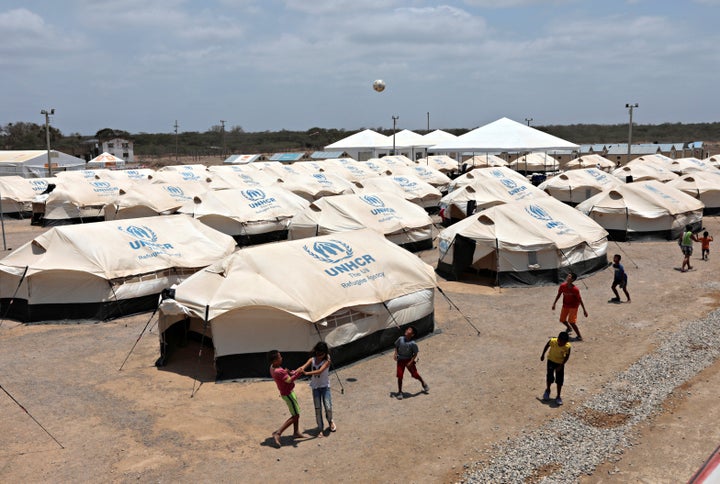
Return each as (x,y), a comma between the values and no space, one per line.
(141,423)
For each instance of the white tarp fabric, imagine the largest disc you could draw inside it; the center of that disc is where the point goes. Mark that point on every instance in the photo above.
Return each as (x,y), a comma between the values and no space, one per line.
(142,200)
(643,207)
(473,176)
(535,162)
(702,185)
(505,135)
(240,212)
(401,221)
(526,236)
(174,177)
(34,163)
(97,174)
(487,187)
(640,171)
(438,136)
(328,273)
(136,174)
(655,159)
(198,169)
(484,161)
(409,186)
(184,192)
(81,198)
(68,274)
(317,185)
(590,161)
(364,139)
(350,171)
(442,163)
(18,193)
(241,176)
(575,186)
(407,139)
(425,173)
(683,166)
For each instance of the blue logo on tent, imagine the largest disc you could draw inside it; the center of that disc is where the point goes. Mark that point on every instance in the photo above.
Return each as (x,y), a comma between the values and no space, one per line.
(144,237)
(372,200)
(189,176)
(38,185)
(404,182)
(508,183)
(497,173)
(538,212)
(174,191)
(330,251)
(142,232)
(100,184)
(253,195)
(320,176)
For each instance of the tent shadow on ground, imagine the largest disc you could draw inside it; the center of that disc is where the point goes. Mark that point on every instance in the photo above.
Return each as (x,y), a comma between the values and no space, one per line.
(184,360)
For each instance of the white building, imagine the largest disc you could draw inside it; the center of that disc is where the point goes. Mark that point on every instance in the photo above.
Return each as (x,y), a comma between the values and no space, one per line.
(119,147)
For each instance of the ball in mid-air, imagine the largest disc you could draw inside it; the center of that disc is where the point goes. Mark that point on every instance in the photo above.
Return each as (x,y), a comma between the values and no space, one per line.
(379,85)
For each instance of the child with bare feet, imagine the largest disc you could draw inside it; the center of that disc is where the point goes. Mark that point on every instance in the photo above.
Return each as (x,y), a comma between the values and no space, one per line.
(619,279)
(571,301)
(285,381)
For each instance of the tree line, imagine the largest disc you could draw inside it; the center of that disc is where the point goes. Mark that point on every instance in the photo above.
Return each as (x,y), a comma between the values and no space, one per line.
(218,141)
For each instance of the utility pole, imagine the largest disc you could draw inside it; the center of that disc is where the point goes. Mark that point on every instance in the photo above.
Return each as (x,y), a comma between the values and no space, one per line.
(176,141)
(222,127)
(630,107)
(394,118)
(428,120)
(47,136)
(528,121)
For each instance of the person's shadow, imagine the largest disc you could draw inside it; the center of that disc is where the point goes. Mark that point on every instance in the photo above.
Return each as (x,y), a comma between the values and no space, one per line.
(406,395)
(286,440)
(550,403)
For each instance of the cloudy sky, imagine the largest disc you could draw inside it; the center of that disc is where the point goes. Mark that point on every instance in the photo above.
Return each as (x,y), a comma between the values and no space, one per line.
(139,65)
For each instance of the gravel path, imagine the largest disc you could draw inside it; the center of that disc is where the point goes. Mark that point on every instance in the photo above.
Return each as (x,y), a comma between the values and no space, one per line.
(578,441)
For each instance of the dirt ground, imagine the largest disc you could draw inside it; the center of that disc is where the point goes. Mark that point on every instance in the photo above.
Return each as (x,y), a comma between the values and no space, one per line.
(141,423)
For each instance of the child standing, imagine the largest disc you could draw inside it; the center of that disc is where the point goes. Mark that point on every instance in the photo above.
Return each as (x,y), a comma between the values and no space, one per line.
(571,301)
(285,381)
(406,351)
(557,357)
(705,244)
(320,383)
(619,279)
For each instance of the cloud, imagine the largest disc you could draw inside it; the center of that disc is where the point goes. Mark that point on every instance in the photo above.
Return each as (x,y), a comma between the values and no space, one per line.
(513,3)
(28,39)
(342,7)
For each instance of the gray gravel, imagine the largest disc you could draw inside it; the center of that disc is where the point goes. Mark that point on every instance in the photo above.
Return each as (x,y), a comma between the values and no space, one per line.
(600,429)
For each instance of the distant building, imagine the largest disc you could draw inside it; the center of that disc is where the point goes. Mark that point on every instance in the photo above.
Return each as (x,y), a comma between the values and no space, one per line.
(119,147)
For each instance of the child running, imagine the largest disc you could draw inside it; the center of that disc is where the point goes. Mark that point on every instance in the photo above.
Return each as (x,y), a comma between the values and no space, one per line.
(285,381)
(557,357)
(320,383)
(571,301)
(619,279)
(406,351)
(705,244)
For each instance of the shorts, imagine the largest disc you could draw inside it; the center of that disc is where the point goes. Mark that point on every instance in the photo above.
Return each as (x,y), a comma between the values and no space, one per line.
(555,373)
(686,249)
(568,315)
(402,364)
(620,282)
(292,403)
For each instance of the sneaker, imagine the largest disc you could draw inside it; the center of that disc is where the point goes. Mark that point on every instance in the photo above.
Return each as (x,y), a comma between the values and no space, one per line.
(426,387)
(546,395)
(558,401)
(399,396)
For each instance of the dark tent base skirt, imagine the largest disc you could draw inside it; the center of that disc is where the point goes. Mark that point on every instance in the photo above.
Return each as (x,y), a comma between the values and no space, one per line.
(418,246)
(524,278)
(255,239)
(21,311)
(255,365)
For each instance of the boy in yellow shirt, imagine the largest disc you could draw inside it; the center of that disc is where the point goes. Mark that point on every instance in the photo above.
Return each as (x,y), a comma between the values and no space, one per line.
(557,357)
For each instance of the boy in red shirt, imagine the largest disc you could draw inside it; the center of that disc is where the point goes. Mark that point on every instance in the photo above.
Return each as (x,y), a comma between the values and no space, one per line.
(285,381)
(571,301)
(705,244)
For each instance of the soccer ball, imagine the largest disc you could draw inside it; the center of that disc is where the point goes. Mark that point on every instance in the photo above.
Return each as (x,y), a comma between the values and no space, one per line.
(379,85)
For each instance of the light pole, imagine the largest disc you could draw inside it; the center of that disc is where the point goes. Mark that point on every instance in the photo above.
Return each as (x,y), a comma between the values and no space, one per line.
(394,118)
(630,107)
(222,127)
(47,136)
(428,120)
(176,141)
(528,121)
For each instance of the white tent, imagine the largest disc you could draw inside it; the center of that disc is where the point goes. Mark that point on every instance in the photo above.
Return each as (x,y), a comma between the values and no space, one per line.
(438,136)
(34,163)
(590,161)
(525,242)
(106,269)
(353,290)
(683,166)
(400,221)
(408,186)
(76,200)
(106,160)
(251,216)
(534,162)
(17,193)
(137,174)
(473,176)
(575,186)
(142,200)
(505,135)
(705,186)
(441,163)
(636,172)
(484,161)
(409,142)
(425,173)
(489,187)
(317,185)
(648,209)
(362,145)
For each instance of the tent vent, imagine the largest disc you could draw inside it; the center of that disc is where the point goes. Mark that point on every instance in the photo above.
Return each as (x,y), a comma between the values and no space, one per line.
(485,220)
(615,195)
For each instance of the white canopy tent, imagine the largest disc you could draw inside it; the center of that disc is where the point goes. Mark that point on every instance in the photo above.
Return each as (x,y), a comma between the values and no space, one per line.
(363,145)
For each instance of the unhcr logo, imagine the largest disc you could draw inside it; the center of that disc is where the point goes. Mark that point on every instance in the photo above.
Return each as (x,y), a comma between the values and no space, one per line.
(497,173)
(541,214)
(144,237)
(189,176)
(256,197)
(508,183)
(102,187)
(335,252)
(176,192)
(372,200)
(404,182)
(38,185)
